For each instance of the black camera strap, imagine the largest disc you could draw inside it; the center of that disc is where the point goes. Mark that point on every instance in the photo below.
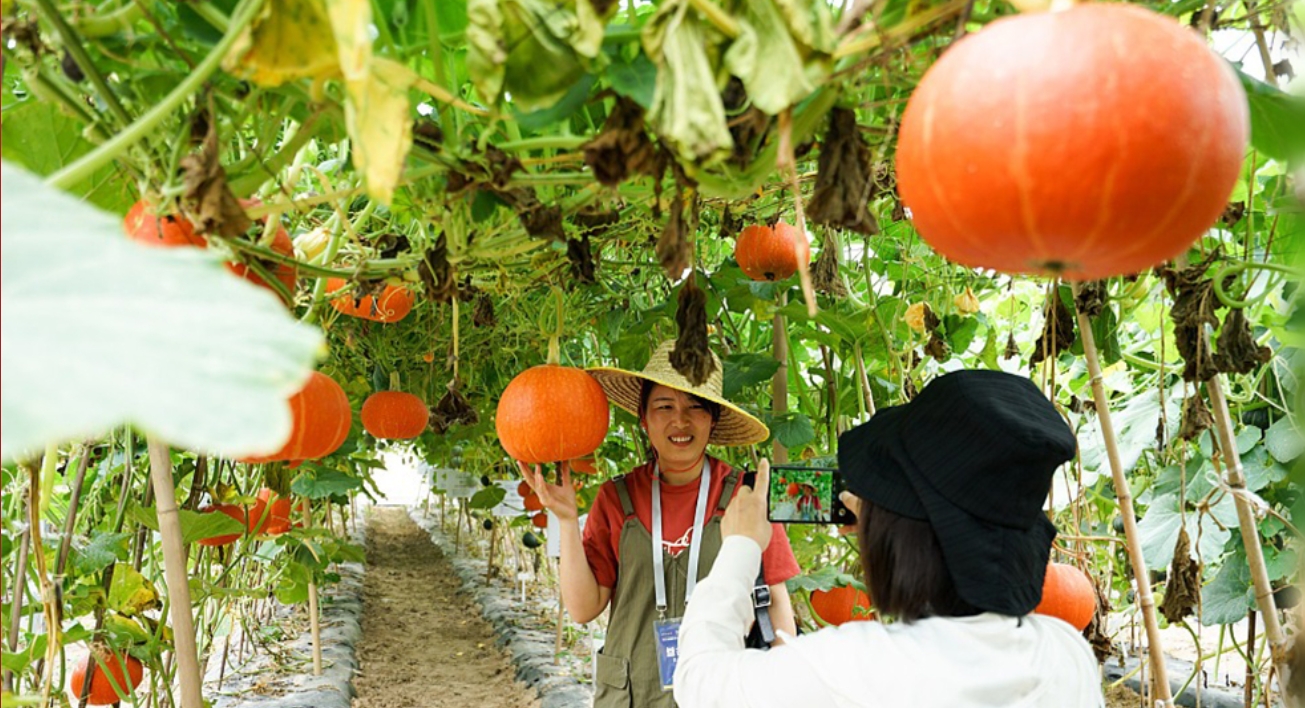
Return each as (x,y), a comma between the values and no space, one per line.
(763,632)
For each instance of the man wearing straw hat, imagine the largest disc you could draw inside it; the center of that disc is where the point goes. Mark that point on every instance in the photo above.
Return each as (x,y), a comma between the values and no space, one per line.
(649,528)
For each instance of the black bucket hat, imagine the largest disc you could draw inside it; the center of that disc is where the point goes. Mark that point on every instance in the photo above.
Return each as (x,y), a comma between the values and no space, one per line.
(973,454)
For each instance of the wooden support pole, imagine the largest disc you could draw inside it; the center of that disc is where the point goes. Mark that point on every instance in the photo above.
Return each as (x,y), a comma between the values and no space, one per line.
(779,384)
(174,570)
(1235,479)
(1141,576)
(314,620)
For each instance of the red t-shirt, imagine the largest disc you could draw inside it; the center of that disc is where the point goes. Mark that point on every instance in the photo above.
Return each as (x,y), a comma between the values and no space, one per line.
(602,533)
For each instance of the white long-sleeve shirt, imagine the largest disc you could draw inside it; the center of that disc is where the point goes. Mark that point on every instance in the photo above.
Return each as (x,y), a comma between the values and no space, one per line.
(983,661)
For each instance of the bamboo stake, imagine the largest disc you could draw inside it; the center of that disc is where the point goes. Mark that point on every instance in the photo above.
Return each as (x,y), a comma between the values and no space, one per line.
(1235,479)
(779,384)
(561,618)
(16,609)
(864,380)
(313,619)
(489,562)
(1141,576)
(174,570)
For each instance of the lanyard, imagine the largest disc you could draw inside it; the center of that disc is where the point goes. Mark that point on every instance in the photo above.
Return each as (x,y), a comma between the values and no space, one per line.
(695,543)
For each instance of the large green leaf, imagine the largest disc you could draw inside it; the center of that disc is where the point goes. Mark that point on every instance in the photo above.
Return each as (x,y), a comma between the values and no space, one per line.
(1228,597)
(320,482)
(1277,119)
(487,498)
(103,550)
(99,331)
(1160,526)
(792,430)
(44,139)
(1284,441)
(132,593)
(743,370)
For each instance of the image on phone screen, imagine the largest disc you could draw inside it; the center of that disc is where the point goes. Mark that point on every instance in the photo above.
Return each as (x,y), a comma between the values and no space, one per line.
(801,495)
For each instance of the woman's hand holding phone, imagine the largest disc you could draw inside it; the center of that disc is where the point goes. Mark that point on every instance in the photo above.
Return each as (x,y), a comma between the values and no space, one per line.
(559,499)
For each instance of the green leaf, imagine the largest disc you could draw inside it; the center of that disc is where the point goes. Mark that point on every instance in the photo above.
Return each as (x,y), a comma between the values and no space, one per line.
(1261,469)
(1228,597)
(1135,428)
(487,498)
(1277,119)
(194,525)
(960,332)
(1284,441)
(132,593)
(42,138)
(117,332)
(292,586)
(743,370)
(686,111)
(102,551)
(1159,528)
(826,578)
(319,482)
(635,79)
(571,102)
(792,430)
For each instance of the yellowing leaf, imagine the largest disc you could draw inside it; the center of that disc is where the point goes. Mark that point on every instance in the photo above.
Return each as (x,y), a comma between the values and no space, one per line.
(350,22)
(379,119)
(287,41)
(131,593)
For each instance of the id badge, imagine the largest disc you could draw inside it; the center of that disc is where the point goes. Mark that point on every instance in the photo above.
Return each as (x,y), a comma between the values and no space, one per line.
(667,632)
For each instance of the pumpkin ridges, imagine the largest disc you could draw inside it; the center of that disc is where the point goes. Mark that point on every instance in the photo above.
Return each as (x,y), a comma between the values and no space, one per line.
(394,415)
(771,254)
(1067,594)
(1170,183)
(313,409)
(102,692)
(394,304)
(550,413)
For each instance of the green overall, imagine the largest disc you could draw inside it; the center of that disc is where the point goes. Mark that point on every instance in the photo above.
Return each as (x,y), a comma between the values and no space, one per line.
(627,673)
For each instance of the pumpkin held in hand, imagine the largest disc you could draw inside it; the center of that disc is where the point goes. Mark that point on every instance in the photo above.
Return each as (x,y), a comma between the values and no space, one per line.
(1067,593)
(321,419)
(102,693)
(550,413)
(394,415)
(840,605)
(393,304)
(771,254)
(1086,143)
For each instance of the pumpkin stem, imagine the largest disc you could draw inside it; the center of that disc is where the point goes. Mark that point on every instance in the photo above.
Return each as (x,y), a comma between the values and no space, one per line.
(394,380)
(554,348)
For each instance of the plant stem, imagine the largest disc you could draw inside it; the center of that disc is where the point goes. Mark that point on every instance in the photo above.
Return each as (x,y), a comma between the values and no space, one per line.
(147,123)
(73,45)
(108,23)
(779,384)
(718,18)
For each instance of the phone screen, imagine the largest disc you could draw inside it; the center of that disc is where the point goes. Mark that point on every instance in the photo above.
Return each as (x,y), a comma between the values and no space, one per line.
(806,495)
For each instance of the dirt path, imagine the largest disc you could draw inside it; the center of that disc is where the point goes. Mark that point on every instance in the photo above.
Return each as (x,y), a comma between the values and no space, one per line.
(424,644)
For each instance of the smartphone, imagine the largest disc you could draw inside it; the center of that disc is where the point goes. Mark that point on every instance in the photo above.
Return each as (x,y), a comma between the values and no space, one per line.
(807,495)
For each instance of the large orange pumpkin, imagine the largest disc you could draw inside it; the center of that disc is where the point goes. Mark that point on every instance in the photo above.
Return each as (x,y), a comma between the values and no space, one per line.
(145,226)
(550,413)
(102,688)
(771,254)
(839,605)
(321,420)
(1096,141)
(394,415)
(235,511)
(282,244)
(1067,593)
(394,304)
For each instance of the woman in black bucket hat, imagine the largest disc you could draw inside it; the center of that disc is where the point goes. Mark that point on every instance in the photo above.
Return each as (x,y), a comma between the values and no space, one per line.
(954,546)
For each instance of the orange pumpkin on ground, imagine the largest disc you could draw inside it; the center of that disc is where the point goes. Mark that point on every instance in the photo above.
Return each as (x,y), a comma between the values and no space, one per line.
(550,413)
(394,415)
(1032,145)
(540,520)
(1067,593)
(234,511)
(840,605)
(771,254)
(145,226)
(393,305)
(270,514)
(321,420)
(102,692)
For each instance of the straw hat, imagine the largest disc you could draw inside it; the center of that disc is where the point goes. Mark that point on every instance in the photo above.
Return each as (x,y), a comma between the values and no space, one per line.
(735,427)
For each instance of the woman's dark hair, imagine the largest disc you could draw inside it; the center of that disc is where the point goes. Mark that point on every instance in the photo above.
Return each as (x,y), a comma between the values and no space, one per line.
(904,568)
(645,392)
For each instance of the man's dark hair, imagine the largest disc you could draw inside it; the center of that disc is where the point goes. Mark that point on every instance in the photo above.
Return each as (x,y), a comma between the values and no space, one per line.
(645,392)
(904,567)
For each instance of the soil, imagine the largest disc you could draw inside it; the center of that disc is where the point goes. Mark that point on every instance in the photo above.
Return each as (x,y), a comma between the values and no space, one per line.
(424,643)
(1124,697)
